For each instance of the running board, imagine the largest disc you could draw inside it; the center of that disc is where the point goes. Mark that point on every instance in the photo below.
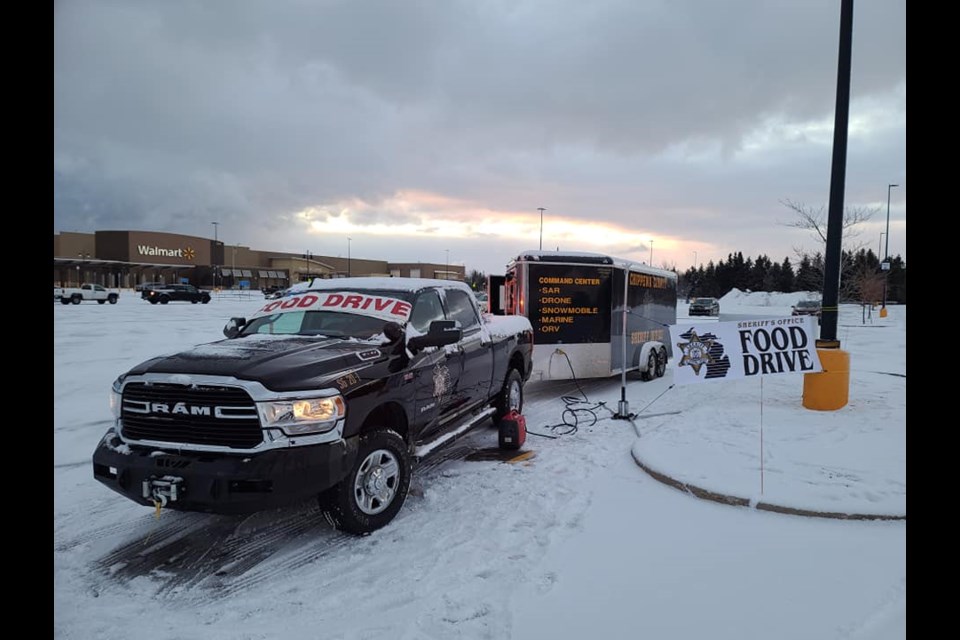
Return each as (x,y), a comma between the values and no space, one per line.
(424,450)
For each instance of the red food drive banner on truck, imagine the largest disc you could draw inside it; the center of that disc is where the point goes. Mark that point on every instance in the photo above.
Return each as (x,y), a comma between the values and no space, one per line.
(363,304)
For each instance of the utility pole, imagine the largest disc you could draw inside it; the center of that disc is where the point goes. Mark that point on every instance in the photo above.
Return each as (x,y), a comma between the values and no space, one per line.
(348,258)
(215,226)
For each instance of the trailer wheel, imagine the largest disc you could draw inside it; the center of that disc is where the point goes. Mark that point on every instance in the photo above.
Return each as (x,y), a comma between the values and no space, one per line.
(651,370)
(661,361)
(374,490)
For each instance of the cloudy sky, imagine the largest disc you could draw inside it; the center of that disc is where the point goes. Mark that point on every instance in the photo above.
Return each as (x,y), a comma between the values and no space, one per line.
(433,130)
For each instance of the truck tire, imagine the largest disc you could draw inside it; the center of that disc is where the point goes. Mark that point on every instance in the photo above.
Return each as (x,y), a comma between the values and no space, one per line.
(64,300)
(661,361)
(374,490)
(205,300)
(164,299)
(153,301)
(112,299)
(101,302)
(510,396)
(76,298)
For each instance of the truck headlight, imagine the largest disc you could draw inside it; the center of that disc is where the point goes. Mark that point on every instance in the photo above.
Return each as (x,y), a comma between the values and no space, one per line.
(116,395)
(301,416)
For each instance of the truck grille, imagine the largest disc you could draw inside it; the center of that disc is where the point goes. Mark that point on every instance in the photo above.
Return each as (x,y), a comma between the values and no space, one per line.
(190,414)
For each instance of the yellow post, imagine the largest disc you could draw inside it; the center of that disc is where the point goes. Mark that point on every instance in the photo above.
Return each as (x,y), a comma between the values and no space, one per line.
(829,389)
(883,312)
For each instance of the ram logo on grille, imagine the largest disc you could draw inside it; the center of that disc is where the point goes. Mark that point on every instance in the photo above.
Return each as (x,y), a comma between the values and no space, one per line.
(182,408)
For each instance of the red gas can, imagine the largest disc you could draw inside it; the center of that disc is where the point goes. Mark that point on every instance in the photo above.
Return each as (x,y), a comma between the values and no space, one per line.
(513,431)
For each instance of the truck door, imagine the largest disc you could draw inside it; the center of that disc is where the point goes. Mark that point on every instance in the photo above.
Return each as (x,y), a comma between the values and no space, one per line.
(436,371)
(476,350)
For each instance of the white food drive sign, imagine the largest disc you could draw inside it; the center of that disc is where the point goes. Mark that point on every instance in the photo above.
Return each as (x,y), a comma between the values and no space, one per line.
(744,349)
(362,304)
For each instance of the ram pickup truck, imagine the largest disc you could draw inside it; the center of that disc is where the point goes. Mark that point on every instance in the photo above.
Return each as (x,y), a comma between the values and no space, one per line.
(85,293)
(332,393)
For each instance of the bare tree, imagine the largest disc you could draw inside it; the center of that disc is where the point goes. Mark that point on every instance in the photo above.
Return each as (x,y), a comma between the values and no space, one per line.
(814,220)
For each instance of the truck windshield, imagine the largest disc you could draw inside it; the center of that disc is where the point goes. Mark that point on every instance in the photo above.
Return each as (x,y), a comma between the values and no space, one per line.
(333,324)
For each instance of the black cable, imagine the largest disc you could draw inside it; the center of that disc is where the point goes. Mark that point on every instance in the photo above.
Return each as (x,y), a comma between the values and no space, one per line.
(572,413)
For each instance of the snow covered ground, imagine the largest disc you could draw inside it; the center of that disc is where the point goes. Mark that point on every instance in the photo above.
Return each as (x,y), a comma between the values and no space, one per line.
(576,541)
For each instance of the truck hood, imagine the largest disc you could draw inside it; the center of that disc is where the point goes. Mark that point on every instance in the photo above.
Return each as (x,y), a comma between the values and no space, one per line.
(277,362)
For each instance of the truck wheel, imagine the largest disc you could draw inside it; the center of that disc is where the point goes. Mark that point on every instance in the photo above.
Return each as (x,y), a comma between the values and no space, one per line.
(651,369)
(205,300)
(101,302)
(76,299)
(153,301)
(64,300)
(510,396)
(374,490)
(164,299)
(194,301)
(112,299)
(661,361)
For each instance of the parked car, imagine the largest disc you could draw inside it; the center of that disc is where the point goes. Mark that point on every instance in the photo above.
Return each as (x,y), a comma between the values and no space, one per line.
(174,293)
(704,307)
(269,291)
(807,308)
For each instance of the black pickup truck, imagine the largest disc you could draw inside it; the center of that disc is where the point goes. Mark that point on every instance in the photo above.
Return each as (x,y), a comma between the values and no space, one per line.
(165,293)
(334,391)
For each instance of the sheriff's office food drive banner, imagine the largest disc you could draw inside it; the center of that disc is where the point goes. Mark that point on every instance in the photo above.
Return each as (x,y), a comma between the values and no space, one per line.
(711,351)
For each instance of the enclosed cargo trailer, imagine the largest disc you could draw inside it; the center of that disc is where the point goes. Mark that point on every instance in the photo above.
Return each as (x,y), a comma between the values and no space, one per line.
(582,305)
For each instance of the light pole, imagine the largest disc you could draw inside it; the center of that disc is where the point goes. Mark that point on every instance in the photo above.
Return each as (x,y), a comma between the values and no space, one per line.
(541,210)
(886,251)
(348,257)
(83,258)
(651,252)
(880,247)
(215,226)
(886,255)
(446,273)
(694,260)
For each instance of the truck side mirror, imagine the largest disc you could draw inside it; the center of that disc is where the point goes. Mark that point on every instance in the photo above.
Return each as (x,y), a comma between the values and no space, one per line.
(393,331)
(234,326)
(441,332)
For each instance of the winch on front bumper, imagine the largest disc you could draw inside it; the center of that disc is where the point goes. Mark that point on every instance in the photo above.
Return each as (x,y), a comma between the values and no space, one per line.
(220,483)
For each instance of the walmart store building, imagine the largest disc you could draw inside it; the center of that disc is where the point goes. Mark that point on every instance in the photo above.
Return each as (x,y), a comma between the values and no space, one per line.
(125,259)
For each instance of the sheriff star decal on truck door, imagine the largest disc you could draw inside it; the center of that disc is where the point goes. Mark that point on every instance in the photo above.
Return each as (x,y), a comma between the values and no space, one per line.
(441,380)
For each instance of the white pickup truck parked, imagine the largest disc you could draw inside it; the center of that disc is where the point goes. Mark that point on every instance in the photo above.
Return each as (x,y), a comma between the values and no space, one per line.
(86,292)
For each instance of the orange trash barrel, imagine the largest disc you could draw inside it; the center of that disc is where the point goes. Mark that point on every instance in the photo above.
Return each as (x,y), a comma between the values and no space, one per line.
(829,389)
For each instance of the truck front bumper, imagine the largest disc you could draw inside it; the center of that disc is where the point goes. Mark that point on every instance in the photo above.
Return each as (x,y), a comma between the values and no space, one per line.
(221,483)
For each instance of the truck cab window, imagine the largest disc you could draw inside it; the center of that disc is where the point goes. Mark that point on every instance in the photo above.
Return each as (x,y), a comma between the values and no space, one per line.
(426,309)
(463,310)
